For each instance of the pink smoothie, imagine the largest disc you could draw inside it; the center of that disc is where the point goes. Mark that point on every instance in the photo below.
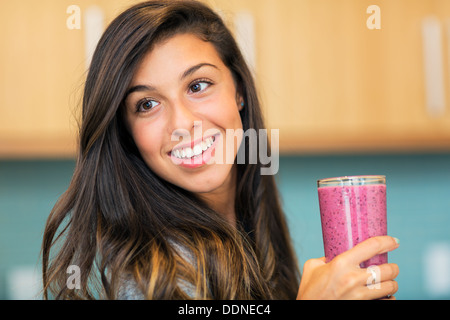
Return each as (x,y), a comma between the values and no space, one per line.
(351,214)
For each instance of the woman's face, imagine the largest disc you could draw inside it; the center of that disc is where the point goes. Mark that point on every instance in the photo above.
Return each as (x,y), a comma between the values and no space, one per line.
(180,104)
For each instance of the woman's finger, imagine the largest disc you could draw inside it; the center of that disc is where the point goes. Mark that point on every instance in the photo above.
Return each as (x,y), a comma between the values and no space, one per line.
(382,290)
(369,248)
(376,274)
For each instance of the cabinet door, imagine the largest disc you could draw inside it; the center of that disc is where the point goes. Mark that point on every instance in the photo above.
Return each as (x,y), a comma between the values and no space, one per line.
(42,66)
(329,83)
(43,63)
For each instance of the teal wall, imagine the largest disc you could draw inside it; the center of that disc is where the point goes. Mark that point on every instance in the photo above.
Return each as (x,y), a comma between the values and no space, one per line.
(418,213)
(28,191)
(418,202)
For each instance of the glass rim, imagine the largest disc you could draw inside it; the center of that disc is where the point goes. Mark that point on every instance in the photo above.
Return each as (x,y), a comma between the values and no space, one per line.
(352,180)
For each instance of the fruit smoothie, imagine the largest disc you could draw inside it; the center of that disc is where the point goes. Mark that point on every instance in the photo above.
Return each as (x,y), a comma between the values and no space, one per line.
(351,212)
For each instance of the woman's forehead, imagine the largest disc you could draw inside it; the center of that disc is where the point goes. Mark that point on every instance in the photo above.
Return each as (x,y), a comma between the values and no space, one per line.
(175,56)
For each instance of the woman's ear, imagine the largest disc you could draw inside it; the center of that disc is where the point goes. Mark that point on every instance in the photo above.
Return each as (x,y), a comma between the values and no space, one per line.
(240,104)
(239,97)
(240,101)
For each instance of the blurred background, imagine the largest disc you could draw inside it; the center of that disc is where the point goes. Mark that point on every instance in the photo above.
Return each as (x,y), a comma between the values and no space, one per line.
(354,87)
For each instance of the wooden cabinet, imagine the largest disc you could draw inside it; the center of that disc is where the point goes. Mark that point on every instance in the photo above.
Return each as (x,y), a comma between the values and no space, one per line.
(39,71)
(331,84)
(42,67)
(327,82)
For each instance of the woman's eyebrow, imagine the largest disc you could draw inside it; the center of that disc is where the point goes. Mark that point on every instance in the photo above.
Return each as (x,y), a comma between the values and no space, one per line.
(188,72)
(192,69)
(138,88)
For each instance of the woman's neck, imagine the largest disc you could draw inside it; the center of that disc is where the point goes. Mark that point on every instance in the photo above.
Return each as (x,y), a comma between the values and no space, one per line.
(222,199)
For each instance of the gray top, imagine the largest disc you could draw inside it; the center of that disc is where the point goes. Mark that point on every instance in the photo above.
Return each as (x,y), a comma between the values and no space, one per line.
(129,290)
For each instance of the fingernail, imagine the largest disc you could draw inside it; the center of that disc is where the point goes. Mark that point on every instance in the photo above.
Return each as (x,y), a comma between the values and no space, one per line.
(397,241)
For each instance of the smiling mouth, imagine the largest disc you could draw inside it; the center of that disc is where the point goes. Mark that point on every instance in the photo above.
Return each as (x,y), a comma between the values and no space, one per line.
(196,151)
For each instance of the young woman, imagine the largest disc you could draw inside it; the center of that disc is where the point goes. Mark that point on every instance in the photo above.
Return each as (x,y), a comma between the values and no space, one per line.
(155,209)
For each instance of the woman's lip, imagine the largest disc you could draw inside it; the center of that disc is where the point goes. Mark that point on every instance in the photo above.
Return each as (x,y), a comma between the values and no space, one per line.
(197,161)
(192,143)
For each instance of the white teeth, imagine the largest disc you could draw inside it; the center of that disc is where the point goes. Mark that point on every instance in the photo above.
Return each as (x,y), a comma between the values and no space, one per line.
(197,150)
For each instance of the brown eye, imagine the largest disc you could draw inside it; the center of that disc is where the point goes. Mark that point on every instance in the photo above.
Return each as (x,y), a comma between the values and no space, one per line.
(199,86)
(196,87)
(146,105)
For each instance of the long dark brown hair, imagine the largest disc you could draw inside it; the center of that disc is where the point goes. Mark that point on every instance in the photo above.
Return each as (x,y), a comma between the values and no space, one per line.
(119,218)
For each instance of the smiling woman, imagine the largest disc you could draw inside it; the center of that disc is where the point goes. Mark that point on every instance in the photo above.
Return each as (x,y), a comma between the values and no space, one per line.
(148,213)
(149,217)
(185,91)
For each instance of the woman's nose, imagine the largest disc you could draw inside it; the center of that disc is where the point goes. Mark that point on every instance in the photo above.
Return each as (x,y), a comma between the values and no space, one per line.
(182,119)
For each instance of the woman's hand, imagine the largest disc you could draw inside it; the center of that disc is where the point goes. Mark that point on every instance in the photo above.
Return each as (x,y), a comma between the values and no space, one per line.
(342,278)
